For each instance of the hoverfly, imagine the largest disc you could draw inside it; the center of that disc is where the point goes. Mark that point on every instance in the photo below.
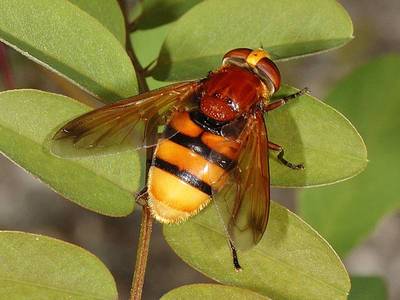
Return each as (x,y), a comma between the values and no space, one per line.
(214,145)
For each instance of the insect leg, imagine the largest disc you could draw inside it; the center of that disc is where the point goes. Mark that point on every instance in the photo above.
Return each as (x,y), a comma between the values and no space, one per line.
(236,264)
(142,196)
(285,100)
(281,153)
(235,259)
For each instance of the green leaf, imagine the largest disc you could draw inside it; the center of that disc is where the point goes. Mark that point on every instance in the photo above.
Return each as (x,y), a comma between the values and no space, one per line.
(200,38)
(315,134)
(147,43)
(107,13)
(291,261)
(75,46)
(345,214)
(135,11)
(38,267)
(148,39)
(367,288)
(104,184)
(159,12)
(211,291)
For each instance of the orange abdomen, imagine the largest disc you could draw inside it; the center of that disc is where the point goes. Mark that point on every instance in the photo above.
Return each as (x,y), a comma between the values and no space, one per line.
(187,167)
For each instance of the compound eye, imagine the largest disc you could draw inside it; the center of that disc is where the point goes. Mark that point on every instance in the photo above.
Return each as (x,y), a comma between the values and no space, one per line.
(236,57)
(269,72)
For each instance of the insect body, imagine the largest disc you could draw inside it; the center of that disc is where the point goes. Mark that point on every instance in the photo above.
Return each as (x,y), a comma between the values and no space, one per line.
(214,146)
(193,162)
(187,167)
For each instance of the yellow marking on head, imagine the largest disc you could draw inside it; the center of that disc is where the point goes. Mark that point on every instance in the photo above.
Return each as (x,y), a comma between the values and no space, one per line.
(255,56)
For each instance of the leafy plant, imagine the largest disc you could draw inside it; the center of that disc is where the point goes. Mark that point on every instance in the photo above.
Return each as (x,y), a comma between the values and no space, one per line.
(345,214)
(374,193)
(90,44)
(38,267)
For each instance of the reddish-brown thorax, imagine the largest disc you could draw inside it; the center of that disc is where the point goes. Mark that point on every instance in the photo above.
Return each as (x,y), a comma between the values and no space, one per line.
(230,92)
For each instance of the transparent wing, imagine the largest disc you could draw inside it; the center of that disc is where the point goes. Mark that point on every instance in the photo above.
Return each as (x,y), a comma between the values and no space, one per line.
(243,201)
(122,125)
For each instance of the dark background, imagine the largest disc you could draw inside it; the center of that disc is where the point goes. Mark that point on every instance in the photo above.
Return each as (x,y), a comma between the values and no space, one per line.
(28,205)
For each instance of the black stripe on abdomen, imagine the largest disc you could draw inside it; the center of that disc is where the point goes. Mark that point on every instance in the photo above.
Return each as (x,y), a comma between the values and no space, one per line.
(183,175)
(196,145)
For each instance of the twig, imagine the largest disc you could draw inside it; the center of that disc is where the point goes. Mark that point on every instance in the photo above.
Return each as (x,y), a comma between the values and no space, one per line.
(147,220)
(142,254)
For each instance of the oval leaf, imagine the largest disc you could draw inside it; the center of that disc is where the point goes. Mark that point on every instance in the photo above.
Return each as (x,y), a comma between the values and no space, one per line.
(104,184)
(211,291)
(291,261)
(370,97)
(315,134)
(38,267)
(75,46)
(287,29)
(107,13)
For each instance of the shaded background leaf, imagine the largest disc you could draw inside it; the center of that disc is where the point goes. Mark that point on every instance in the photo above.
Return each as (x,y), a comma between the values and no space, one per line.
(211,291)
(75,46)
(159,12)
(147,42)
(108,13)
(291,261)
(199,39)
(157,18)
(346,213)
(367,288)
(104,184)
(38,267)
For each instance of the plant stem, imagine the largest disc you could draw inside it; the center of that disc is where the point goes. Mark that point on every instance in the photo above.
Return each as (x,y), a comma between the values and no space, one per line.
(142,254)
(146,224)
